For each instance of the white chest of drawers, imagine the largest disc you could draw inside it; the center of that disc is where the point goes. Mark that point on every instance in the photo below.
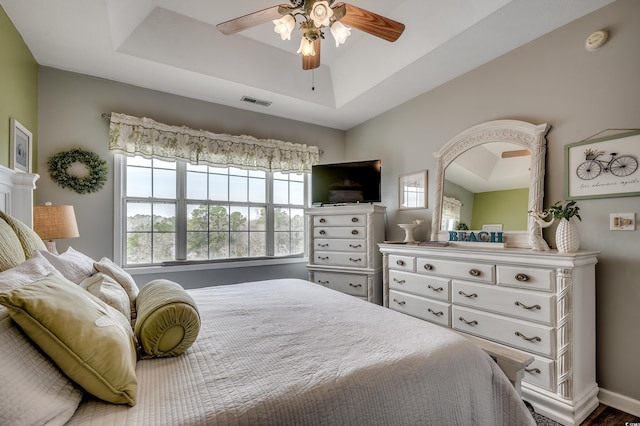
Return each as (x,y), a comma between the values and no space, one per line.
(540,303)
(343,250)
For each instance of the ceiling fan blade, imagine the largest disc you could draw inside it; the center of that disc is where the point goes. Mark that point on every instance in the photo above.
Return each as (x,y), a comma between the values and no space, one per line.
(371,23)
(311,62)
(252,19)
(516,153)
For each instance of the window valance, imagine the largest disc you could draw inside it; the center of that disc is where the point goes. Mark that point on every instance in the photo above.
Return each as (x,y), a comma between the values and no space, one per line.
(148,138)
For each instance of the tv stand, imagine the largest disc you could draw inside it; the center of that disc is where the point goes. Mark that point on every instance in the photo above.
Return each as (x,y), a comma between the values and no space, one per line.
(343,248)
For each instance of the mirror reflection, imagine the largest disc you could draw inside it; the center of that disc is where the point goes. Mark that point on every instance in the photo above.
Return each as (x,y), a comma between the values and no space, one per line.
(487,185)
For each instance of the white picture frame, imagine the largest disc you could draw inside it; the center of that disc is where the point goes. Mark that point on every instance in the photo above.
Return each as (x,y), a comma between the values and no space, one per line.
(494,227)
(412,190)
(20,146)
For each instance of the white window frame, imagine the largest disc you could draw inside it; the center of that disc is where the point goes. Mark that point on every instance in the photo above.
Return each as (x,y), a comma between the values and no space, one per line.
(186,265)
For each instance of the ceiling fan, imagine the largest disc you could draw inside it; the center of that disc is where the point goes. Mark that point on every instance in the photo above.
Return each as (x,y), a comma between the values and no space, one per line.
(316,15)
(516,153)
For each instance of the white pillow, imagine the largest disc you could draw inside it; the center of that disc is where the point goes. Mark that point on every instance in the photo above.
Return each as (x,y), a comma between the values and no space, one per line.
(122,277)
(33,391)
(30,270)
(72,264)
(109,291)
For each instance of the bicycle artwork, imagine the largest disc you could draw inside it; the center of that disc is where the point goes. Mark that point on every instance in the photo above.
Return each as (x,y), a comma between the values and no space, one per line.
(603,167)
(617,165)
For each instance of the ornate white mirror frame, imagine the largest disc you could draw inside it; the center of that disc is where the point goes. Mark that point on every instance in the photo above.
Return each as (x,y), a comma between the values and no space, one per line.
(529,136)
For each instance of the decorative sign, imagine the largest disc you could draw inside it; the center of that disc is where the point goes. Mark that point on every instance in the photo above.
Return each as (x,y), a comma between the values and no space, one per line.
(476,237)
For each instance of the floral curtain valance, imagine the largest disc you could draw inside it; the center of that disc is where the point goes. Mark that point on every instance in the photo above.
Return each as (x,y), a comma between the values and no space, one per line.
(148,138)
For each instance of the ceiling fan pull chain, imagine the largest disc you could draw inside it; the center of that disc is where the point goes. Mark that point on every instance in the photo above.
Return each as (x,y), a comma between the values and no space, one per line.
(313,79)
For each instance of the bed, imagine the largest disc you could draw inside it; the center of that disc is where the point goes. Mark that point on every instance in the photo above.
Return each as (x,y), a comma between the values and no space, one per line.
(277,352)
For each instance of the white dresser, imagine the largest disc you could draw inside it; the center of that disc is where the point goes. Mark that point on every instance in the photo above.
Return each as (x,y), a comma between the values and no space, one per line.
(540,303)
(343,249)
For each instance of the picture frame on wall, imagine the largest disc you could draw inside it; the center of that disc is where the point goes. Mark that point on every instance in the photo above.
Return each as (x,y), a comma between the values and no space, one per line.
(412,190)
(604,167)
(20,146)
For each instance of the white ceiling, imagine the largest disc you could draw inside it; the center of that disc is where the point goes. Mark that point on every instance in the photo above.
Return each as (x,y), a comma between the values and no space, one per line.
(173,46)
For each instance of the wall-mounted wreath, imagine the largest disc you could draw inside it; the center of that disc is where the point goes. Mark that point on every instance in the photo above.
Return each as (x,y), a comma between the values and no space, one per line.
(93,181)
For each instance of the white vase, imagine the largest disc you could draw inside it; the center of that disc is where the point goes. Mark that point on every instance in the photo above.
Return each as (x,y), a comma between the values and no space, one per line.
(567,238)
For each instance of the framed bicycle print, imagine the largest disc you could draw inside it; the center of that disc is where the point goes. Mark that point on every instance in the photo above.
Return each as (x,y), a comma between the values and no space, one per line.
(603,167)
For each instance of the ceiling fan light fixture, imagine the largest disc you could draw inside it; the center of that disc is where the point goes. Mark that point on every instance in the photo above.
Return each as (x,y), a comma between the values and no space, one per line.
(306,47)
(284,26)
(340,32)
(321,14)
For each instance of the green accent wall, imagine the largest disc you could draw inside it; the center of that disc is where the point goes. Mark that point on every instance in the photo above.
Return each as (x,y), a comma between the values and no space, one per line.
(18,87)
(508,208)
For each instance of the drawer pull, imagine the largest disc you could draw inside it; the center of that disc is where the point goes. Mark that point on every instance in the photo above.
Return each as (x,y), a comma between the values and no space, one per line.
(395,280)
(474,322)
(522,305)
(323,257)
(323,282)
(434,288)
(354,219)
(399,302)
(355,245)
(428,266)
(354,232)
(435,313)
(355,260)
(528,339)
(400,262)
(522,277)
(474,272)
(533,370)
(322,232)
(323,245)
(355,285)
(323,220)
(470,296)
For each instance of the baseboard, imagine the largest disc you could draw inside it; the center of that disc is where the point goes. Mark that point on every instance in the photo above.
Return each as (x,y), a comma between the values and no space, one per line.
(620,402)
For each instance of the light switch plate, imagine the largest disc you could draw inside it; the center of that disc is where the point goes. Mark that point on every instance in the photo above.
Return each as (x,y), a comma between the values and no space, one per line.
(622,222)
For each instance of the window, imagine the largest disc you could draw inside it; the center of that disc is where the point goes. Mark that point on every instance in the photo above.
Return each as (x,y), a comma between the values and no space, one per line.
(176,211)
(450,213)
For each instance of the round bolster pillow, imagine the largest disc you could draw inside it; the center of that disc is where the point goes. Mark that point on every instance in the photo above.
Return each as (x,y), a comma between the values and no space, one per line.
(168,320)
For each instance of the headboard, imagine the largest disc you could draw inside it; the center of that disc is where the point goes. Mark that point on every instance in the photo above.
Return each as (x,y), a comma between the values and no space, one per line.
(16,194)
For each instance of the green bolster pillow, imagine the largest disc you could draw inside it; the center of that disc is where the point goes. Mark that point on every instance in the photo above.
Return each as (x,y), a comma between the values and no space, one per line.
(168,320)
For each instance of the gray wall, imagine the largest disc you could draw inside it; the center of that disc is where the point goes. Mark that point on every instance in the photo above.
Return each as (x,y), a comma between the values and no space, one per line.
(69,112)
(552,80)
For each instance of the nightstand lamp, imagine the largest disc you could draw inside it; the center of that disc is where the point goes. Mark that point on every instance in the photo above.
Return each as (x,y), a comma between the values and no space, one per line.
(54,223)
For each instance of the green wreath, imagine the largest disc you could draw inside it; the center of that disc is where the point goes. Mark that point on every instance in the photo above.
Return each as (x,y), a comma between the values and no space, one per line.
(94,181)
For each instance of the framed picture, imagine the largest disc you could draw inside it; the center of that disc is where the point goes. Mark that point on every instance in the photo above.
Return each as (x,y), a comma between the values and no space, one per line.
(20,147)
(412,190)
(492,228)
(603,167)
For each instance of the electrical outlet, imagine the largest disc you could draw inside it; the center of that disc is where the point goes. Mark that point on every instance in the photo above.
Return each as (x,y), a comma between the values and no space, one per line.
(622,222)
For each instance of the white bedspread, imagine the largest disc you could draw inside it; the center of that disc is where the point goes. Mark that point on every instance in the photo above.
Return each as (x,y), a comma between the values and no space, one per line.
(290,352)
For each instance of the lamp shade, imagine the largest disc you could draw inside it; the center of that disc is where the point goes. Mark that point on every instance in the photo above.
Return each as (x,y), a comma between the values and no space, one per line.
(55,222)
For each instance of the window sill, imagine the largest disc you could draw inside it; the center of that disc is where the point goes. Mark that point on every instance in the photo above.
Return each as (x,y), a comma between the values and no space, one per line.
(155,269)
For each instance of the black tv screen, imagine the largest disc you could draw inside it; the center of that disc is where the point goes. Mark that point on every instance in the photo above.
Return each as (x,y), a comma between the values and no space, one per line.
(343,183)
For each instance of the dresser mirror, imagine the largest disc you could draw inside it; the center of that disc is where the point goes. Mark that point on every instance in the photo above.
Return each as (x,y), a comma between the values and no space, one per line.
(494,165)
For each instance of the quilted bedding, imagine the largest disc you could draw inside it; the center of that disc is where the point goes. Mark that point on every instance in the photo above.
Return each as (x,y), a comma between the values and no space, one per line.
(290,352)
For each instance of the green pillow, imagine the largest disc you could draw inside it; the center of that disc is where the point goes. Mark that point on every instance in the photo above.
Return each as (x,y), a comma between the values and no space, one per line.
(11,252)
(28,238)
(91,342)
(168,320)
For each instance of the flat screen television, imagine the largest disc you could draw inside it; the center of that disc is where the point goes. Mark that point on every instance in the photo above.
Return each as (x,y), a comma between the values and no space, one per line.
(345,183)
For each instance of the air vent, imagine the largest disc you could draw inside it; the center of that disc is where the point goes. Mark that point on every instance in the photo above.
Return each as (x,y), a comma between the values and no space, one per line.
(255,101)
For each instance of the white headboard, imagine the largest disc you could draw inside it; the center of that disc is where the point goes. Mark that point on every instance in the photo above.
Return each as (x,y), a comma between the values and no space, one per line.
(16,194)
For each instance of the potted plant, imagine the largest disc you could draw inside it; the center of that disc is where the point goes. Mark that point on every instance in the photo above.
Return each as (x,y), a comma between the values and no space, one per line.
(567,238)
